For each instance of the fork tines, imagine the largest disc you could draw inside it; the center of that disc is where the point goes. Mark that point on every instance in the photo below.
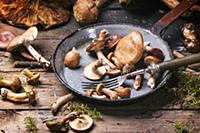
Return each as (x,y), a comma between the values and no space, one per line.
(110,83)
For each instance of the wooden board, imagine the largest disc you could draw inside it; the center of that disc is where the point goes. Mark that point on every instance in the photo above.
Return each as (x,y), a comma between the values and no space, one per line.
(149,115)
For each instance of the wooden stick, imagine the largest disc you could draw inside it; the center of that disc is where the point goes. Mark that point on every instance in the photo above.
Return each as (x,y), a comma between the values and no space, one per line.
(25,64)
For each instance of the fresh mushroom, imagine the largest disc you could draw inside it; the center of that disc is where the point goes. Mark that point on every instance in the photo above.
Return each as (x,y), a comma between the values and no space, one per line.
(130,48)
(113,40)
(81,123)
(29,95)
(33,78)
(151,81)
(60,102)
(99,96)
(137,82)
(72,58)
(191,42)
(123,92)
(100,89)
(94,70)
(87,11)
(15,83)
(24,40)
(97,45)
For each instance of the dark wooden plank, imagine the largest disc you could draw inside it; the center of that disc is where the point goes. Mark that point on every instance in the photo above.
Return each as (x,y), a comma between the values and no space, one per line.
(134,123)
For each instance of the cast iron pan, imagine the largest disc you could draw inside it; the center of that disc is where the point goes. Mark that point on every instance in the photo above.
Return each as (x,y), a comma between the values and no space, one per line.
(72,78)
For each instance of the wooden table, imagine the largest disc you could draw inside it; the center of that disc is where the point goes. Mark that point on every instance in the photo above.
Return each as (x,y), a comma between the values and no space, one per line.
(150,115)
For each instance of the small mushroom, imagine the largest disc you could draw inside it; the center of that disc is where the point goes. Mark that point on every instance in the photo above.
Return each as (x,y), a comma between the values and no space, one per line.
(97,45)
(94,71)
(81,123)
(60,102)
(137,82)
(29,95)
(24,40)
(72,58)
(191,42)
(33,78)
(87,11)
(151,81)
(14,84)
(100,89)
(113,40)
(123,92)
(154,53)
(113,72)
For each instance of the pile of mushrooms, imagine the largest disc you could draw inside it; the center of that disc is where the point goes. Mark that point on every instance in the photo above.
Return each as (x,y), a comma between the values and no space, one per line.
(127,52)
(123,54)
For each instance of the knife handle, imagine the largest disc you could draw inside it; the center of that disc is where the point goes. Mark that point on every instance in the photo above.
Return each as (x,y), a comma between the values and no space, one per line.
(179,62)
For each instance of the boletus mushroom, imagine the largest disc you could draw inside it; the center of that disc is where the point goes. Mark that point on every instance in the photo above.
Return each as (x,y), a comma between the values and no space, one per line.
(81,123)
(130,48)
(72,58)
(123,92)
(33,78)
(25,40)
(29,95)
(14,84)
(100,90)
(87,11)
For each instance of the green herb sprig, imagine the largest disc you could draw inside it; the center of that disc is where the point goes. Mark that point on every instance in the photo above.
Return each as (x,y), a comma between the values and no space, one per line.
(30,124)
(180,128)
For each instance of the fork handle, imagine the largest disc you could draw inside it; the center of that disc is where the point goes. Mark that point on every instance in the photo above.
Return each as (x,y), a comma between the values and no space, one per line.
(179,62)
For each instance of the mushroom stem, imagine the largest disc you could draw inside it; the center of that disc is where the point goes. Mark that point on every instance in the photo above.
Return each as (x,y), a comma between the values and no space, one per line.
(110,93)
(151,82)
(105,61)
(15,84)
(36,55)
(18,97)
(27,73)
(60,102)
(137,82)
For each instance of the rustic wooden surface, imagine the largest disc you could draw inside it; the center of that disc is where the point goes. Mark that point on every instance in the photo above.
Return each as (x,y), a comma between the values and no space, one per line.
(153,114)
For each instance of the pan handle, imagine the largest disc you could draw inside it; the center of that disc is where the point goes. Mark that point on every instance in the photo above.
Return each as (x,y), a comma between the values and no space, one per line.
(172,15)
(179,62)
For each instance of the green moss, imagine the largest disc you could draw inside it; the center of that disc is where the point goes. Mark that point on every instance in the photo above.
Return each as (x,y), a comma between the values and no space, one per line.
(84,108)
(180,128)
(187,88)
(30,124)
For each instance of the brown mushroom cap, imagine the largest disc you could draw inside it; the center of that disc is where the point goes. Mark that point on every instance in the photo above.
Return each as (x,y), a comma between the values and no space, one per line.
(99,89)
(72,58)
(151,60)
(81,123)
(98,43)
(113,40)
(130,48)
(16,84)
(157,53)
(123,92)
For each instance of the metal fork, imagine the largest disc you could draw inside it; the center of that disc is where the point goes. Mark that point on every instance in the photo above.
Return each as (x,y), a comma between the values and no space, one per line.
(152,69)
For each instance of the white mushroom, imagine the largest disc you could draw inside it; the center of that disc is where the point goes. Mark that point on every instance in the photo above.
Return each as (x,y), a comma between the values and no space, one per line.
(94,71)
(25,40)
(81,123)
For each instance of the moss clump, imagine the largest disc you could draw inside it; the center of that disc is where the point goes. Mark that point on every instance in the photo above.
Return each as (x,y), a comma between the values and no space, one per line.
(30,124)
(180,128)
(187,88)
(83,108)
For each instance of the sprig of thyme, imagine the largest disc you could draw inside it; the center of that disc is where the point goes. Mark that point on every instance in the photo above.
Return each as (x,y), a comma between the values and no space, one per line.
(84,108)
(30,124)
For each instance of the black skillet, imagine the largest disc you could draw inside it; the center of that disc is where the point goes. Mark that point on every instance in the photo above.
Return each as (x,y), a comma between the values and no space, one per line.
(72,78)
